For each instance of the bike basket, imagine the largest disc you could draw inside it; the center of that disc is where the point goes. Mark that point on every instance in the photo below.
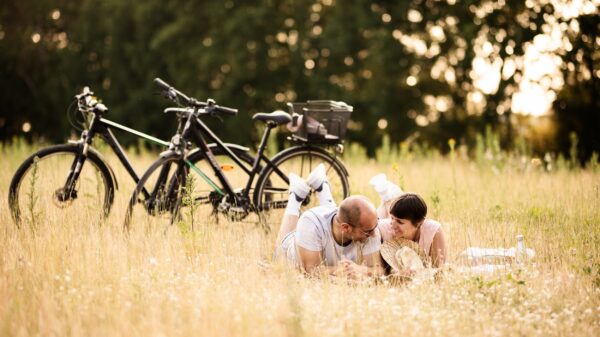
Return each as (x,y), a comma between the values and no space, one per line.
(323,121)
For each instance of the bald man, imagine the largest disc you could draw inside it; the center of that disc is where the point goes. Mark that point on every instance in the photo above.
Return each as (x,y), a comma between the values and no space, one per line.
(342,240)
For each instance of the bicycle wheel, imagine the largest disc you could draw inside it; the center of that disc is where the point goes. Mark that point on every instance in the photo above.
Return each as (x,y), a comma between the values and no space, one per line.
(39,190)
(271,192)
(157,196)
(191,197)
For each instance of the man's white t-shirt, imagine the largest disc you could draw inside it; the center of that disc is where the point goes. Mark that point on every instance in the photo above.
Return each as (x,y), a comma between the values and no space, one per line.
(314,233)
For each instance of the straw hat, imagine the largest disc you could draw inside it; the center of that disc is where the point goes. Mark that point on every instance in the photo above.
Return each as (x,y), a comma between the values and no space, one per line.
(391,251)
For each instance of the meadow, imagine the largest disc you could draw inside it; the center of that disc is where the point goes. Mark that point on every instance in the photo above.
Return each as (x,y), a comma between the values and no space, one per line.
(80,278)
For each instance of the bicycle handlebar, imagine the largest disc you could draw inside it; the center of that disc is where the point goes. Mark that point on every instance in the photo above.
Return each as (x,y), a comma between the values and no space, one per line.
(162,84)
(87,99)
(212,107)
(171,93)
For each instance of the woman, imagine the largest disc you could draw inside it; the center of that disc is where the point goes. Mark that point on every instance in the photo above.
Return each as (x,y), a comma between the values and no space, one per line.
(404,217)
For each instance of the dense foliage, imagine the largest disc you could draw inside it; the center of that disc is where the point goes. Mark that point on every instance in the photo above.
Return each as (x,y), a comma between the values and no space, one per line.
(407,67)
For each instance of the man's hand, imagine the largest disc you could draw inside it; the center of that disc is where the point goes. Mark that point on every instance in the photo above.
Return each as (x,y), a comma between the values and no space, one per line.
(351,270)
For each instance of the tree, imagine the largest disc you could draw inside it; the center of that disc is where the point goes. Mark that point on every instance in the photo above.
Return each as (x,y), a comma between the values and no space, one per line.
(411,69)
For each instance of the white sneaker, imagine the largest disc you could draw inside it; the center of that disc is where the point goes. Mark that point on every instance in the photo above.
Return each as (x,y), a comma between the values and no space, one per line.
(299,187)
(317,177)
(385,188)
(393,192)
(380,184)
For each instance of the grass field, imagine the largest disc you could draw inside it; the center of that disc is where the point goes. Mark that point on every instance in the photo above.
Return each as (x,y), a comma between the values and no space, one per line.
(71,277)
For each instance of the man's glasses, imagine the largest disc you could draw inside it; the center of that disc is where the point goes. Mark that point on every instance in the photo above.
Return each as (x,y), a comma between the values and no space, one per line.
(366,232)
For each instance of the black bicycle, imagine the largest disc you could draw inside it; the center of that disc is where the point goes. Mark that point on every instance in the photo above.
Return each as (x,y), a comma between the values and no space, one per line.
(73,180)
(232,185)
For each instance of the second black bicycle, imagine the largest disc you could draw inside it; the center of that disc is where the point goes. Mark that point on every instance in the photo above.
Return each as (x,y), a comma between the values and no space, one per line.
(227,186)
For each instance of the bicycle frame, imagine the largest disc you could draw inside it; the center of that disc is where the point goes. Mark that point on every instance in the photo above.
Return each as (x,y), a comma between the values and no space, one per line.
(197,132)
(102,127)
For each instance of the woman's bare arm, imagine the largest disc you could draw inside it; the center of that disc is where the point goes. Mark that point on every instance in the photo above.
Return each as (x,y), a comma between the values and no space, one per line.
(439,250)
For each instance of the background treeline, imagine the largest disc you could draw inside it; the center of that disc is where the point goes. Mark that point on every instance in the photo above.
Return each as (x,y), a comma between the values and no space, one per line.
(382,57)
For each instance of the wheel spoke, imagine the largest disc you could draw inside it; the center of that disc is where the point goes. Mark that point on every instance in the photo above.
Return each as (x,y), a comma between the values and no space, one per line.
(42,191)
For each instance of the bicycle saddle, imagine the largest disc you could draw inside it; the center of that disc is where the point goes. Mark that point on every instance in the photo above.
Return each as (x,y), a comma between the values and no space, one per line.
(277,116)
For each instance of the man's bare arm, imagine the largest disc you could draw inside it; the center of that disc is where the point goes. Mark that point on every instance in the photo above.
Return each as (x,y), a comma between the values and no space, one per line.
(312,262)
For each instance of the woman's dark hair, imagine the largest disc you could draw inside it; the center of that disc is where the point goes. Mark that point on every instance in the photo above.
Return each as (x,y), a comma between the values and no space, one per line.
(409,206)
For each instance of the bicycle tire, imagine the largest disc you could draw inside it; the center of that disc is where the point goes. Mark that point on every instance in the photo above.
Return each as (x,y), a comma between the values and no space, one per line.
(271,190)
(43,182)
(164,211)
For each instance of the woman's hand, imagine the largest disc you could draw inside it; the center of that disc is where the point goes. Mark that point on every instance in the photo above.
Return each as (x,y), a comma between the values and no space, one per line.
(406,272)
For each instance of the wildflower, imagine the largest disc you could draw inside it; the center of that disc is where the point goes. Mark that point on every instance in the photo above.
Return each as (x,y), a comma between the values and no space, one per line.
(451,143)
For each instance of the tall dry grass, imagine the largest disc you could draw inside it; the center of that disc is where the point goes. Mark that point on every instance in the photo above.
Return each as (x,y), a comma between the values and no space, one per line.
(76,278)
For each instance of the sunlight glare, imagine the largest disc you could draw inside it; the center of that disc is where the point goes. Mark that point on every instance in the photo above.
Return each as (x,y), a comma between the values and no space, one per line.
(532,99)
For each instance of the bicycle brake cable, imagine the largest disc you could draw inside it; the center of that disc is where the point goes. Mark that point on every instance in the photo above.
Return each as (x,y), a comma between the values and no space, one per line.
(72,116)
(214,114)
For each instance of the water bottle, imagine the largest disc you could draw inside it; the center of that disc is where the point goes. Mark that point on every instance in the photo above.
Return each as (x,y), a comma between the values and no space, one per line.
(520,252)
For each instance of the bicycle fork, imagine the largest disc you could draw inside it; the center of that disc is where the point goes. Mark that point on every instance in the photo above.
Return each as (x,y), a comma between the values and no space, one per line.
(68,191)
(166,196)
